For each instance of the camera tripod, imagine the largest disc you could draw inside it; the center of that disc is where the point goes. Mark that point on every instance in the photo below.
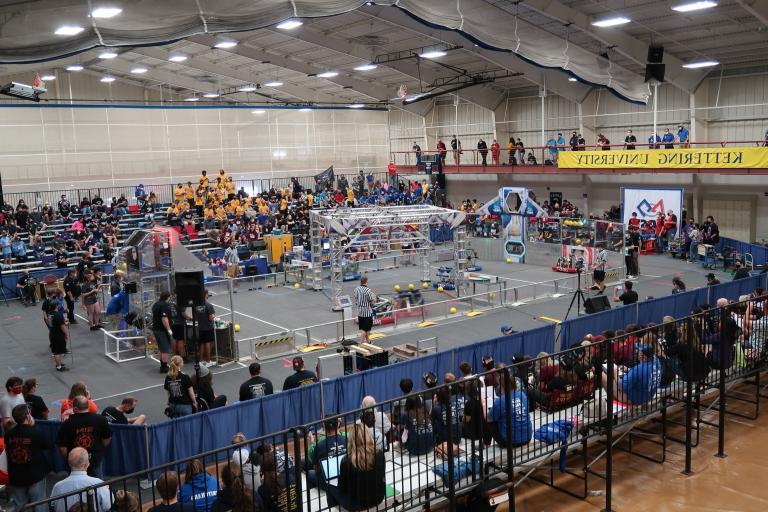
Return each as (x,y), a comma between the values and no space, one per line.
(579,298)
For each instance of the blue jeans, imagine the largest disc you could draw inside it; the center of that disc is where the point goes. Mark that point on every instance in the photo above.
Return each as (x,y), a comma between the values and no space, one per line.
(179,410)
(693,251)
(20,496)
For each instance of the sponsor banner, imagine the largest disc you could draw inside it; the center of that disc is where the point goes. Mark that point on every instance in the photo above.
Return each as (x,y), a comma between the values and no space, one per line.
(649,202)
(713,158)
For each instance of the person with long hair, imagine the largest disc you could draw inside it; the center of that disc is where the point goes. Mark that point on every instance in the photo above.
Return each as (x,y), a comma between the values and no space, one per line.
(90,291)
(126,501)
(77,389)
(234,495)
(181,395)
(361,482)
(199,488)
(202,382)
(277,492)
(520,420)
(419,435)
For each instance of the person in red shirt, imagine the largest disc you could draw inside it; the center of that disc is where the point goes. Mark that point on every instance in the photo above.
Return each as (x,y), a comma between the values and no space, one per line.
(670,228)
(442,150)
(392,173)
(495,152)
(634,222)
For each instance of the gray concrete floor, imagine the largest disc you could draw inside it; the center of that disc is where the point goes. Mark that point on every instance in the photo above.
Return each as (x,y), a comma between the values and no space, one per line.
(24,344)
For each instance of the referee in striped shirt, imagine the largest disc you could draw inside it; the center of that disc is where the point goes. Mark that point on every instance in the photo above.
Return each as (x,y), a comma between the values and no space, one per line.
(364,298)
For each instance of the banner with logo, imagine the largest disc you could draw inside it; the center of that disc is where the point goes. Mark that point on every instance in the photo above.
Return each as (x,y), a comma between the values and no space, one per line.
(648,202)
(712,158)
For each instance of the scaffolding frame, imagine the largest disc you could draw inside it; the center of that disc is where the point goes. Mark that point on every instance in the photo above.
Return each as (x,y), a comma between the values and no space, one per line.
(381,228)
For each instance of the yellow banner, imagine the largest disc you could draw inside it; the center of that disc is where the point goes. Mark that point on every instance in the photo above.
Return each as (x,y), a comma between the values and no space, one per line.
(712,158)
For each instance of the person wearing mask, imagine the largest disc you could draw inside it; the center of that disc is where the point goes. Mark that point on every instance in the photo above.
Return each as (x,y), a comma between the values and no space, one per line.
(87,430)
(327,452)
(520,421)
(199,488)
(361,483)
(161,328)
(741,271)
(456,148)
(14,389)
(27,466)
(167,486)
(682,136)
(202,383)
(627,297)
(417,151)
(630,140)
(668,139)
(119,414)
(257,386)
(710,234)
(654,141)
(364,300)
(301,376)
(419,435)
(80,477)
(495,152)
(36,404)
(638,386)
(482,148)
(670,229)
(678,286)
(574,142)
(178,385)
(632,252)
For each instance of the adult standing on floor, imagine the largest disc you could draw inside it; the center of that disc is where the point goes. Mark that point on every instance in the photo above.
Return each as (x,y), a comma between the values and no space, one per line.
(364,299)
(90,294)
(162,315)
(85,429)
(58,333)
(598,266)
(71,293)
(482,148)
(205,331)
(27,466)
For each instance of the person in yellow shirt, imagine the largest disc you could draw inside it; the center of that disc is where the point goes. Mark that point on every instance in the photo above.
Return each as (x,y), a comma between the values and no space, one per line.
(178,193)
(200,201)
(283,205)
(229,186)
(310,199)
(189,192)
(209,211)
(204,181)
(221,214)
(350,197)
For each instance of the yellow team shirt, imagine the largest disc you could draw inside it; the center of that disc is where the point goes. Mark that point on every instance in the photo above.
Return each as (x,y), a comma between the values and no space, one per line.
(179,193)
(205,182)
(283,204)
(199,199)
(350,195)
(230,186)
(189,192)
(310,200)
(208,212)
(221,213)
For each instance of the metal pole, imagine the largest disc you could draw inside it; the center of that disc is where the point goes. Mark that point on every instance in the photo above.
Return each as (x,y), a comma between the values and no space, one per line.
(510,451)
(689,400)
(655,108)
(231,320)
(451,479)
(609,430)
(723,314)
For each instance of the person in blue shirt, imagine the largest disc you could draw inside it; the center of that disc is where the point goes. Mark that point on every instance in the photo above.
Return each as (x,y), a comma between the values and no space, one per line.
(440,416)
(522,429)
(654,140)
(552,147)
(640,383)
(419,434)
(199,488)
(668,139)
(19,249)
(682,136)
(5,247)
(560,142)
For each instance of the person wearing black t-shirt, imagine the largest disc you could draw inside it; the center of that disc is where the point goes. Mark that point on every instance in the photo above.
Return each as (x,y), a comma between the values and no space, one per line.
(205,331)
(36,404)
(178,330)
(181,395)
(71,294)
(118,415)
(86,430)
(741,271)
(161,328)
(25,448)
(61,258)
(301,377)
(257,386)
(58,332)
(630,140)
(628,296)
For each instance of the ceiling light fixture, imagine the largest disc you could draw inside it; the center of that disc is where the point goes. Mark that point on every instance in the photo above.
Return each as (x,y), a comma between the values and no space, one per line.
(106,12)
(212,94)
(48,77)
(700,64)
(276,83)
(74,67)
(611,22)
(366,67)
(356,105)
(258,112)
(139,70)
(247,88)
(572,79)
(225,43)
(108,54)
(177,57)
(107,79)
(694,6)
(305,109)
(68,30)
(192,98)
(433,54)
(289,24)
(328,74)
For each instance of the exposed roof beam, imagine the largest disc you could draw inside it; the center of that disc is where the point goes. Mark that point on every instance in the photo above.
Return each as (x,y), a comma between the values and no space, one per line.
(226,72)
(631,48)
(757,8)
(480,95)
(555,81)
(373,91)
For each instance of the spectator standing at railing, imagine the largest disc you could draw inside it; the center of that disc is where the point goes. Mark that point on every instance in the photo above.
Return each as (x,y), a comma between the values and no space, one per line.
(630,140)
(654,141)
(495,152)
(574,142)
(520,151)
(512,147)
(482,148)
(441,150)
(392,172)
(552,150)
(683,136)
(668,139)
(417,151)
(456,148)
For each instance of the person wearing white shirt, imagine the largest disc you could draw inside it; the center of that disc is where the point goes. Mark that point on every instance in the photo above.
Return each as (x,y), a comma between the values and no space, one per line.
(78,479)
(382,425)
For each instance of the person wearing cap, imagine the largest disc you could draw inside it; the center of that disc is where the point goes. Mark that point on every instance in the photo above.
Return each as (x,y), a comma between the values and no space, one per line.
(202,382)
(712,280)
(640,383)
(301,377)
(506,329)
(257,386)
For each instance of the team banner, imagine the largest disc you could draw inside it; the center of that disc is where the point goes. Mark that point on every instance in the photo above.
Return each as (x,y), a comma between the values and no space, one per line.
(647,203)
(714,158)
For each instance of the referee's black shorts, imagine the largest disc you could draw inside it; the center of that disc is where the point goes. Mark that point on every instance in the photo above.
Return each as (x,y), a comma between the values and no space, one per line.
(365,323)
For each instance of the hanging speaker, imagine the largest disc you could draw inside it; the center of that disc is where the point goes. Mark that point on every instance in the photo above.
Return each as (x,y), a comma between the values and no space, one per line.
(190,288)
(654,72)
(655,54)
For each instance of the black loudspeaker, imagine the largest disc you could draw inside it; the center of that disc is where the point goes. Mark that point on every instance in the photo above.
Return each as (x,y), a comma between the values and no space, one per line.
(654,72)
(131,287)
(655,54)
(596,304)
(190,288)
